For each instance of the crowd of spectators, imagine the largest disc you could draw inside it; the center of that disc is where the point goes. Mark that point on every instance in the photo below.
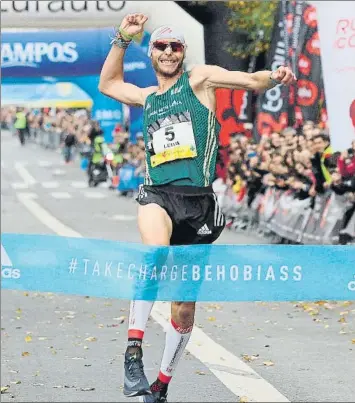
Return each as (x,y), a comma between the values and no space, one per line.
(301,160)
(299,163)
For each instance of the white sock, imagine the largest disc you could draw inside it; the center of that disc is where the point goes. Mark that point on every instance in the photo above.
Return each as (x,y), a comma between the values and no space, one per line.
(175,344)
(138,318)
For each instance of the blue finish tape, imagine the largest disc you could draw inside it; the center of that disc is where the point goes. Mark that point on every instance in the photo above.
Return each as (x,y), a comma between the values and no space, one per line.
(109,269)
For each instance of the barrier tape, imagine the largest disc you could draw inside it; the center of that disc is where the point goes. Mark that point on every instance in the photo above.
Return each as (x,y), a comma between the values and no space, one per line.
(108,269)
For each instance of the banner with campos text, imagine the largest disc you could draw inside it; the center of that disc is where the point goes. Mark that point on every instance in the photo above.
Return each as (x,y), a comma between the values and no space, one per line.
(75,57)
(102,14)
(336,26)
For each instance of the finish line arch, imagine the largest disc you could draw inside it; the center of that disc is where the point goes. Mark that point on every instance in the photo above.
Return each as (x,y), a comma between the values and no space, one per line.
(94,14)
(36,17)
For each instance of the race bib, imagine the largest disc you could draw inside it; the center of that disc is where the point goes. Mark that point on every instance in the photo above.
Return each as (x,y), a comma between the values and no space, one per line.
(171,138)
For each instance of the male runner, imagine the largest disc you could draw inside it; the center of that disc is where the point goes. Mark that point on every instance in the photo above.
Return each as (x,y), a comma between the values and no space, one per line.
(177,205)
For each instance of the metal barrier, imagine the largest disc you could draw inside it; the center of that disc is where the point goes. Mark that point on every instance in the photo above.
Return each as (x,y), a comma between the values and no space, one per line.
(281,217)
(47,139)
(128,181)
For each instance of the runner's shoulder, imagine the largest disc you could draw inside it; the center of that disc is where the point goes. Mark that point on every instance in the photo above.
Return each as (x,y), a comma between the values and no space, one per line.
(200,74)
(148,91)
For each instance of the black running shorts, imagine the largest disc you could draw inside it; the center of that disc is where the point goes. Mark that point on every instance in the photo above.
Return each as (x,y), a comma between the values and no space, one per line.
(194,211)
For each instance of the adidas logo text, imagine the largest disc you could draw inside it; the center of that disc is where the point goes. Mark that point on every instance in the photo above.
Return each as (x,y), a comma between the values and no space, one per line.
(204,230)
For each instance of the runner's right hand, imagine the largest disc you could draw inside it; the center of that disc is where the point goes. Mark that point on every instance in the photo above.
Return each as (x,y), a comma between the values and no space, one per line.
(133,24)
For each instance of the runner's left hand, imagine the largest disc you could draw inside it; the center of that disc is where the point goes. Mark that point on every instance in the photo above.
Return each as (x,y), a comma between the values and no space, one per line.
(284,75)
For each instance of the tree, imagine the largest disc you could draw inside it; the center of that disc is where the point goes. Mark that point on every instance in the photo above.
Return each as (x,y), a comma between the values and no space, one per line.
(249,26)
(255,19)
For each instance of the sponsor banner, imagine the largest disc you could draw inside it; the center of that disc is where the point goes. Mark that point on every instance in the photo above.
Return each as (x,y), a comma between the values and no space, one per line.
(336,24)
(333,218)
(309,83)
(326,220)
(53,53)
(108,112)
(135,123)
(128,180)
(65,53)
(297,221)
(312,233)
(323,107)
(290,217)
(234,108)
(272,105)
(232,204)
(231,111)
(268,205)
(297,33)
(58,8)
(77,58)
(108,269)
(94,14)
(301,221)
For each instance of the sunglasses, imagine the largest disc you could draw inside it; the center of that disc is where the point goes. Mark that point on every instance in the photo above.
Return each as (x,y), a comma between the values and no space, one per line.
(174,46)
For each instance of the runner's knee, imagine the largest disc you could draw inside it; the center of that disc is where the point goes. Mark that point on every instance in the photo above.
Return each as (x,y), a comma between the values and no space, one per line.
(155,228)
(183,313)
(154,224)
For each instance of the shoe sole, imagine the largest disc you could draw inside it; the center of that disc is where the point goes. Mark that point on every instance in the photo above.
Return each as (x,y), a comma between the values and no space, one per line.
(138,393)
(141,399)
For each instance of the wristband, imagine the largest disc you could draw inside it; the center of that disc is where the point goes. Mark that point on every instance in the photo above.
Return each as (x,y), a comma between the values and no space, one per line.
(120,41)
(127,37)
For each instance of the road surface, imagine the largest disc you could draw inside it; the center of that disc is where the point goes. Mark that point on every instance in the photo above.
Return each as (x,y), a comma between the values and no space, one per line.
(59,348)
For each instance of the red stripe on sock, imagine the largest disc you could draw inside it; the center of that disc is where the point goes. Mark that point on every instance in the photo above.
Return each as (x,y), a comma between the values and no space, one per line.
(135,334)
(164,378)
(180,329)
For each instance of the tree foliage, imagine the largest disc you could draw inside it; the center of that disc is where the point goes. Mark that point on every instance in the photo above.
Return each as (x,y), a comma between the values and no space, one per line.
(254,19)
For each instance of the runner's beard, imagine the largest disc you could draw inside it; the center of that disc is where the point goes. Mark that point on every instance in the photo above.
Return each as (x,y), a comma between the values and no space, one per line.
(166,74)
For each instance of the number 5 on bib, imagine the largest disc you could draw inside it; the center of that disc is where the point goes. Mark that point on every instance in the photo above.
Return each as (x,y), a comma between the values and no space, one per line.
(173,140)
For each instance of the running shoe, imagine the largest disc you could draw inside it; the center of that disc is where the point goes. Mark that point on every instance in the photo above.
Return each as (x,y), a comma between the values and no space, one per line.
(135,381)
(158,396)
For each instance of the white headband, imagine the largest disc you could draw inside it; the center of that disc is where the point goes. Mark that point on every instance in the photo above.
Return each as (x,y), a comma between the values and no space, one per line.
(165,32)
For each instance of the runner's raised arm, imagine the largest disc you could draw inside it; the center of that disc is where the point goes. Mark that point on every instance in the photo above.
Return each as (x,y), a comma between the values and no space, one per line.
(218,77)
(112,75)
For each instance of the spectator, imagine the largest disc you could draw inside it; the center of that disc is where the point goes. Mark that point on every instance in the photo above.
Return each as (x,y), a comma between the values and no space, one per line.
(70,141)
(21,124)
(346,162)
(275,142)
(322,152)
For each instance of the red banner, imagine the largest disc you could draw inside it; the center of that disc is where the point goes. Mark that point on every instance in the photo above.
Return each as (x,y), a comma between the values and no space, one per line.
(309,74)
(272,105)
(230,112)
